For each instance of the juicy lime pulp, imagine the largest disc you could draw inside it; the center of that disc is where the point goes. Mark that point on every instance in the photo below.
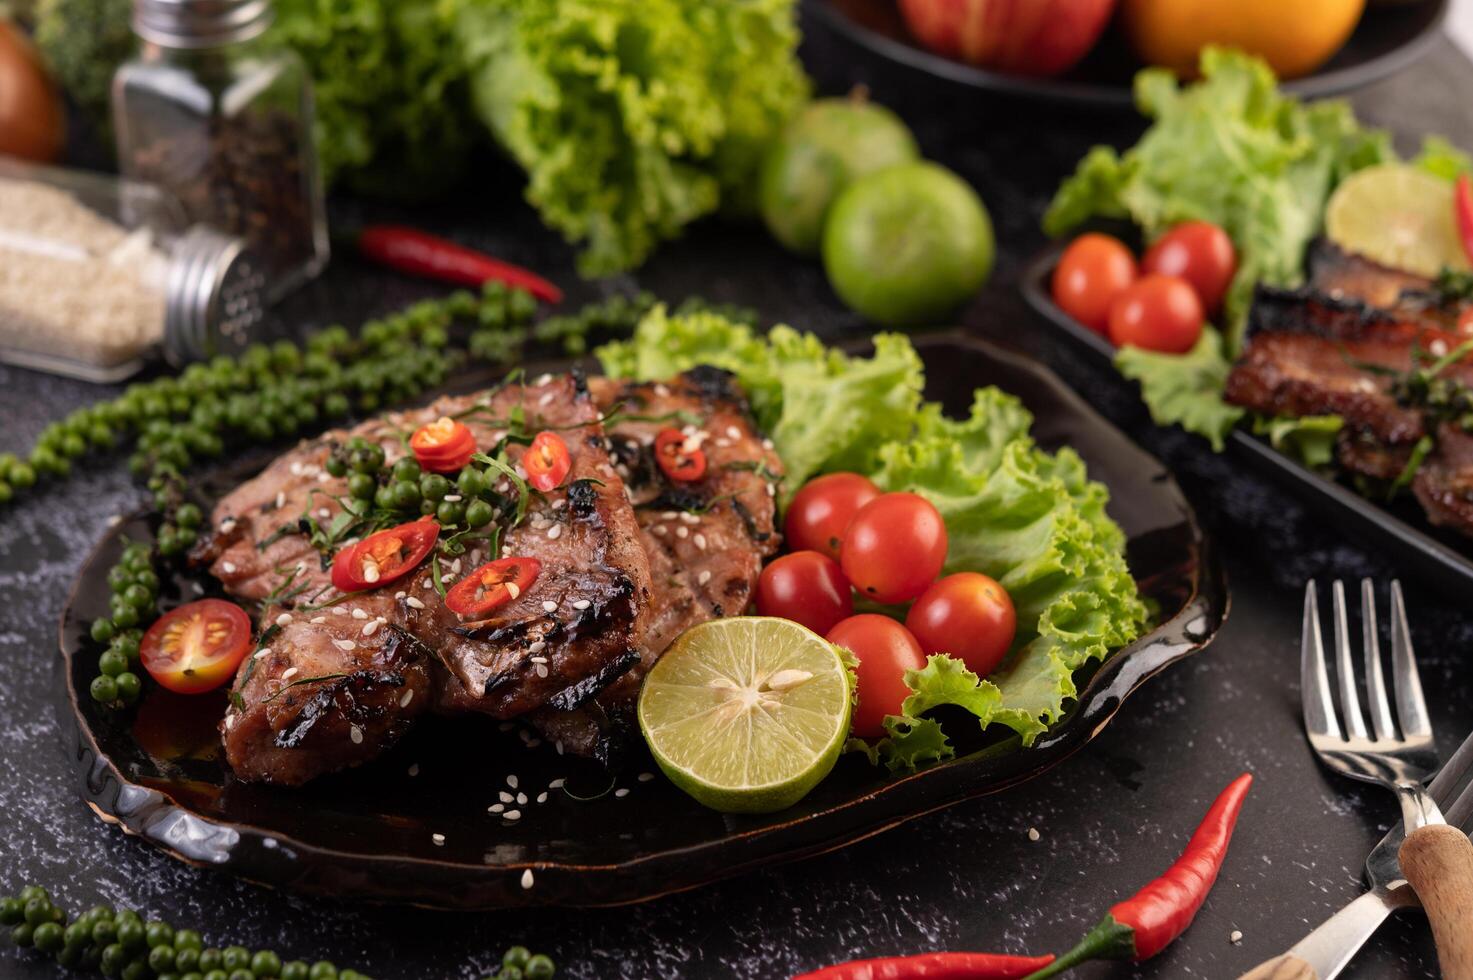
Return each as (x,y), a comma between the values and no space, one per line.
(747,714)
(1399,216)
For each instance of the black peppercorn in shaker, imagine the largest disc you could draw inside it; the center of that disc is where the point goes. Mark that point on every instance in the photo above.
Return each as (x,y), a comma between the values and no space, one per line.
(213,111)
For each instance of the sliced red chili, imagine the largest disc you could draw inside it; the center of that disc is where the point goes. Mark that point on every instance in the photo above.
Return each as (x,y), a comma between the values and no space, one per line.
(1463,212)
(547,461)
(679,458)
(384,556)
(493,584)
(443,446)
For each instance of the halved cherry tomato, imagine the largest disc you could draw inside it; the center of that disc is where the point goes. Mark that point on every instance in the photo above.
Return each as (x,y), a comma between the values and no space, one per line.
(443,446)
(820,512)
(1463,211)
(197,647)
(1199,252)
(384,556)
(886,650)
(894,548)
(806,587)
(967,615)
(493,584)
(680,461)
(547,461)
(1093,270)
(1159,313)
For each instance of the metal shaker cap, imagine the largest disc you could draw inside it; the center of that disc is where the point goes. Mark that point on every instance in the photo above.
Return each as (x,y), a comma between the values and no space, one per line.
(214,297)
(200,23)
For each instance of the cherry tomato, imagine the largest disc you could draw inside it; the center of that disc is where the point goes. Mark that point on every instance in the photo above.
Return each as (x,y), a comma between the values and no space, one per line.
(1199,252)
(886,650)
(197,647)
(1093,270)
(820,512)
(894,547)
(967,615)
(806,587)
(680,461)
(385,556)
(1159,313)
(547,461)
(443,446)
(493,584)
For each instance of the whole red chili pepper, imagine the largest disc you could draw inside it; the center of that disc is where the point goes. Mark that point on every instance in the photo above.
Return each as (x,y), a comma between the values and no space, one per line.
(421,254)
(1142,926)
(933,966)
(1463,211)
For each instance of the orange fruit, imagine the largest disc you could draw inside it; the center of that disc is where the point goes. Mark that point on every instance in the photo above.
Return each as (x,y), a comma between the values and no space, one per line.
(1294,37)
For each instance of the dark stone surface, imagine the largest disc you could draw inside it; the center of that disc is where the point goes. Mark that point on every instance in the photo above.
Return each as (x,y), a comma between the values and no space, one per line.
(969,877)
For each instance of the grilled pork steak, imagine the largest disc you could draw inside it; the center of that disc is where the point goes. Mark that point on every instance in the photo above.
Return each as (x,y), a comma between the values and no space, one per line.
(575,630)
(705,539)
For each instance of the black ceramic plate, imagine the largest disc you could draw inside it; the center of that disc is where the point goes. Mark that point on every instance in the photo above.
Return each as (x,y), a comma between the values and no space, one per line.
(1400,531)
(1389,37)
(369,833)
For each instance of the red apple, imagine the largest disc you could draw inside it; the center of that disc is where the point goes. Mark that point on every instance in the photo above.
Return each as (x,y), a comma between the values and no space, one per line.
(1023,37)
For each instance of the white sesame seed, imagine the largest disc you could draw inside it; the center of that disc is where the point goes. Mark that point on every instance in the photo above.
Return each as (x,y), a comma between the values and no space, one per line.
(645,777)
(540,669)
(400,594)
(542,797)
(621,792)
(545,399)
(455,565)
(733,432)
(261,653)
(559,503)
(453,498)
(1033,834)
(408,697)
(549,606)
(1235,937)
(686,517)
(414,769)
(289,673)
(229,722)
(370,571)
(513,589)
(370,627)
(427,584)
(345,644)
(505,797)
(414,603)
(700,541)
(669,515)
(559,746)
(582,604)
(554,532)
(539,660)
(317,620)
(323,512)
(704,577)
(446,579)
(283,619)
(682,532)
(542,379)
(513,815)
(227,525)
(439,839)
(512,780)
(556,783)
(767,444)
(340,610)
(359,614)
(228,567)
(356,734)
(522,799)
(659,529)
(527,880)
(536,646)
(280,499)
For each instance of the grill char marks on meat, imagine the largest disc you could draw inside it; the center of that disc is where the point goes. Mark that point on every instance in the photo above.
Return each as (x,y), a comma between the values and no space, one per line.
(572,632)
(705,539)
(1310,354)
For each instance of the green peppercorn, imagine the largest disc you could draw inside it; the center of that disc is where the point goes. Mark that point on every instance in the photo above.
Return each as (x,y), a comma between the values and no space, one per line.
(235,958)
(217,975)
(186,536)
(368,459)
(103,689)
(102,630)
(78,934)
(323,970)
(130,931)
(510,973)
(188,939)
(139,597)
(521,305)
(209,959)
(295,970)
(335,466)
(241,975)
(189,515)
(158,933)
(125,616)
(450,512)
(539,967)
(113,958)
(362,486)
(383,497)
(38,910)
(33,891)
(168,540)
(434,486)
(136,970)
(406,470)
(478,513)
(161,958)
(127,644)
(112,663)
(119,578)
(147,578)
(129,686)
(266,964)
(72,445)
(517,956)
(185,959)
(12,912)
(105,932)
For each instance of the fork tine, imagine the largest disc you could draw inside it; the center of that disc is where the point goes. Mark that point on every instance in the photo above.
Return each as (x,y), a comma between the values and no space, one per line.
(1380,707)
(1314,681)
(1349,698)
(1411,708)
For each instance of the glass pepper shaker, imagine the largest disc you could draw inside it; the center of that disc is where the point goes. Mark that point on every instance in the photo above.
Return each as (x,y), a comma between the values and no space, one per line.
(215,113)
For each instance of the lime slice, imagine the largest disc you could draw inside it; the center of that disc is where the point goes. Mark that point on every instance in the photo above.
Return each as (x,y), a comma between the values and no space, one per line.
(747,714)
(1399,216)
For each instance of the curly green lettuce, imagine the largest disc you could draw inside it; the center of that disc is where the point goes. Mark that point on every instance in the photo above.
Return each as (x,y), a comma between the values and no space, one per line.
(1185,389)
(632,118)
(1031,519)
(1230,149)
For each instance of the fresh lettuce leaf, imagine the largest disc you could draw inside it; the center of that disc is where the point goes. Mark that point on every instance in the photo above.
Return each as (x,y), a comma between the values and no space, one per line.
(1443,159)
(1233,150)
(1185,389)
(1310,439)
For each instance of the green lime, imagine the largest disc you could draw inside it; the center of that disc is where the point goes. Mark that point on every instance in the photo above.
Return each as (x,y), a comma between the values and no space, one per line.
(1399,216)
(827,145)
(908,245)
(747,714)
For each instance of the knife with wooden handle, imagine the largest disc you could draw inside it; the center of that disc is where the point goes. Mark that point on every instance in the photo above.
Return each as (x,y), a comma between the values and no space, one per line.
(1442,861)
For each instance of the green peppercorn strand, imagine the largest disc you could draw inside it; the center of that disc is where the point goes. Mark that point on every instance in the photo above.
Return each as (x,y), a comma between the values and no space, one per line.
(119,943)
(135,586)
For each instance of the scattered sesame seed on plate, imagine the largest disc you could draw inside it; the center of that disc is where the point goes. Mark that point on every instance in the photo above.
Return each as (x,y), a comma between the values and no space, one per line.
(427,584)
(1033,834)
(645,777)
(527,880)
(513,814)
(407,697)
(414,769)
(542,797)
(659,529)
(512,780)
(355,734)
(439,839)
(556,783)
(496,808)
(1235,937)
(505,797)
(522,798)
(621,792)
(400,594)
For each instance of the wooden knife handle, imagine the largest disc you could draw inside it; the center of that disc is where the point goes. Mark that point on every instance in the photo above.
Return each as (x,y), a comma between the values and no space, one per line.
(1438,862)
(1285,967)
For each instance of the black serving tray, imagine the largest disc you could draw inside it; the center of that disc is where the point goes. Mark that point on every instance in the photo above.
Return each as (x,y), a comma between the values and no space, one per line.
(1389,37)
(368,834)
(1399,531)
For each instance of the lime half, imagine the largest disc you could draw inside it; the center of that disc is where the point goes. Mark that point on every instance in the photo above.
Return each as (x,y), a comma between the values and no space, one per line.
(1399,216)
(746,714)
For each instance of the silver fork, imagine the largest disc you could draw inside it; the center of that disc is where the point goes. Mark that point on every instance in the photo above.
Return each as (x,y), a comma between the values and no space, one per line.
(1436,859)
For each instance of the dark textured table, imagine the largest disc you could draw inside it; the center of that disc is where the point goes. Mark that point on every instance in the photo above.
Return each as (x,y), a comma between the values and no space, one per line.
(969,877)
